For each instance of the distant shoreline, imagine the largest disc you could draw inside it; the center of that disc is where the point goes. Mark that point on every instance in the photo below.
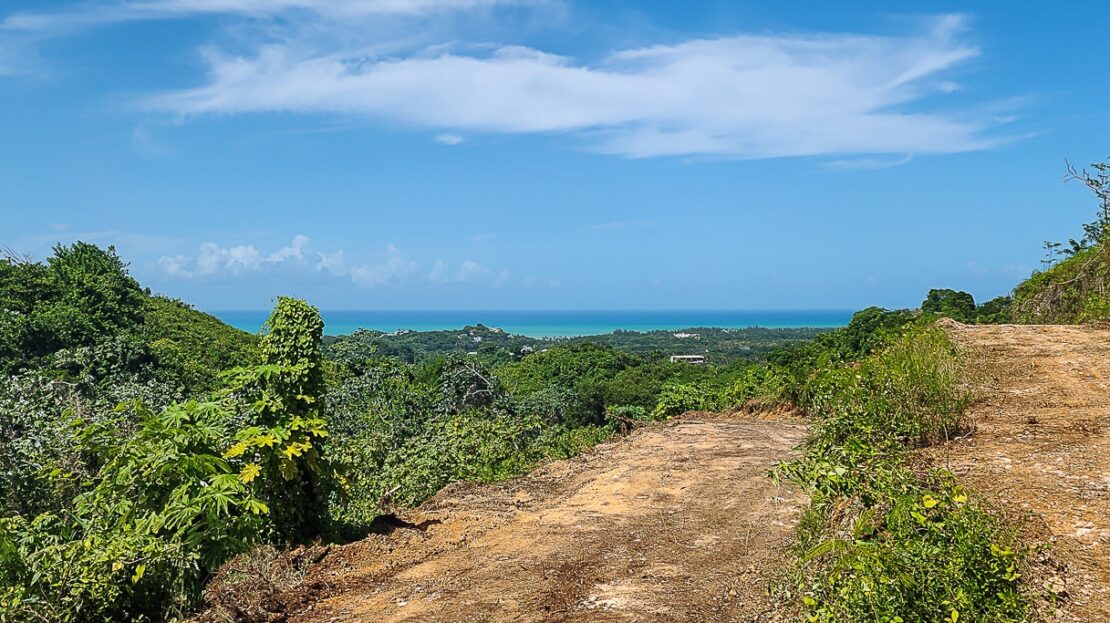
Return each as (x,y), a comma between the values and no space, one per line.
(554,323)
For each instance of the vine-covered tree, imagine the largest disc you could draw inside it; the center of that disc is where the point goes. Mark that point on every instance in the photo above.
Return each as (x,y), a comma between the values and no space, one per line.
(281,401)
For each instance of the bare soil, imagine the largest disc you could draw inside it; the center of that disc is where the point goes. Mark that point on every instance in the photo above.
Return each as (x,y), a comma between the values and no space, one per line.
(675,522)
(1040,451)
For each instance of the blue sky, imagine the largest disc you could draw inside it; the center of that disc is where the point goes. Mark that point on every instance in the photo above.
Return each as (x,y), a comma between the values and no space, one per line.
(551,154)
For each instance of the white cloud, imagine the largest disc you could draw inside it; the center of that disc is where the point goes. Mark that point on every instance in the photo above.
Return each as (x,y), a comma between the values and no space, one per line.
(471,271)
(176,266)
(214,259)
(334,263)
(244,257)
(869,163)
(439,272)
(293,251)
(747,96)
(742,96)
(449,139)
(59,22)
(394,269)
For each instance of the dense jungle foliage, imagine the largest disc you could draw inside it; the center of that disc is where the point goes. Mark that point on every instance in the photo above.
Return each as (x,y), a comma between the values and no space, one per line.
(720,346)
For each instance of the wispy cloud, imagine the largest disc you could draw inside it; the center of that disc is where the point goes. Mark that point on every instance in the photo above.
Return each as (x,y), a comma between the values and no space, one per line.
(87,16)
(742,96)
(745,96)
(869,163)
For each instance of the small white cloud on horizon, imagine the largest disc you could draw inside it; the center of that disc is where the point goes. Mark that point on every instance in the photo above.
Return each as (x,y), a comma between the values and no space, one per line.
(176,266)
(333,262)
(868,164)
(949,86)
(395,269)
(213,259)
(486,237)
(439,272)
(293,251)
(471,271)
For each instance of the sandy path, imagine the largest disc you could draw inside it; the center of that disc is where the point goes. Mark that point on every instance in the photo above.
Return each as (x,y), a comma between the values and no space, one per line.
(676,522)
(1041,446)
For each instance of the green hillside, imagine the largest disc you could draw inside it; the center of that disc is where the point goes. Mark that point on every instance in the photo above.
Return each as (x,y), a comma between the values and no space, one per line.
(1074,287)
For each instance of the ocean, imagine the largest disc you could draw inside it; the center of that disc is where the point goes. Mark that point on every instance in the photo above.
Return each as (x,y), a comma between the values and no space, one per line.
(563,323)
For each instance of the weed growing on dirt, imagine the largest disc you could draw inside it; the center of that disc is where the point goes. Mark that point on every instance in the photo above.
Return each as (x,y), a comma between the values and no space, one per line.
(880,542)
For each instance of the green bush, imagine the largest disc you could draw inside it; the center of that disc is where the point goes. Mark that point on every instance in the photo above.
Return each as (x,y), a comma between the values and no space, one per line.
(584,369)
(954,304)
(161,513)
(995,311)
(82,295)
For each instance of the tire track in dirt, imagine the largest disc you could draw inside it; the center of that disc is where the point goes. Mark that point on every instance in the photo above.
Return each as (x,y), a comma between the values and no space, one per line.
(676,522)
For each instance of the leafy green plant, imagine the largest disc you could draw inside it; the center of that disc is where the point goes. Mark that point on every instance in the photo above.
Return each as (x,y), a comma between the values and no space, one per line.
(162,512)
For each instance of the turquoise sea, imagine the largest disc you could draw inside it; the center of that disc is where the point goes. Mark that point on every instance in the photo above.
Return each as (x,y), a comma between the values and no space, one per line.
(563,323)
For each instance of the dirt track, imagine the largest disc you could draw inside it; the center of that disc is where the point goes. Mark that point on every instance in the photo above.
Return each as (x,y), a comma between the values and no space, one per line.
(677,522)
(1041,448)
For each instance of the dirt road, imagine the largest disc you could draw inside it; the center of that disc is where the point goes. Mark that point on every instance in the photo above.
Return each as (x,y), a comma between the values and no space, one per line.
(677,522)
(1041,447)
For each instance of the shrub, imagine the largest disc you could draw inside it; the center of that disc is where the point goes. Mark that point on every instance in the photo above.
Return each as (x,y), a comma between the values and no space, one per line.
(81,296)
(193,347)
(678,398)
(995,311)
(951,303)
(163,511)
